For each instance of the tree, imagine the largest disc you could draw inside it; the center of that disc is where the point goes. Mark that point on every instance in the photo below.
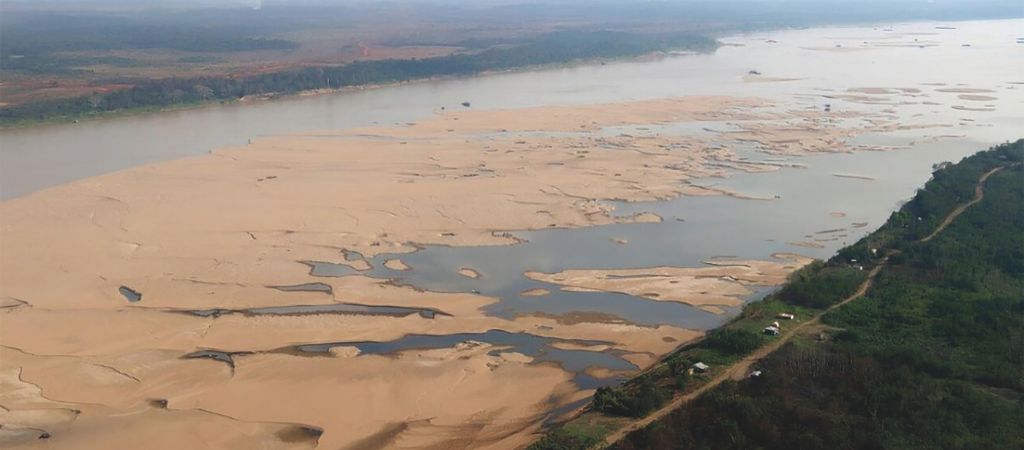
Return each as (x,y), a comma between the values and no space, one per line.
(203,92)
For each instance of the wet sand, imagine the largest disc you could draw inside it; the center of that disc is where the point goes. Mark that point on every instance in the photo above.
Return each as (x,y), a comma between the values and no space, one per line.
(454,179)
(84,362)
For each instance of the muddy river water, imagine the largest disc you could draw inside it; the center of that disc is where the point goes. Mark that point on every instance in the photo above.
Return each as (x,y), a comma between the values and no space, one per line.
(793,205)
(35,158)
(957,87)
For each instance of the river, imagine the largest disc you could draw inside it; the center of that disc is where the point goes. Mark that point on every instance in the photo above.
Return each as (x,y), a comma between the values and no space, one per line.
(39,157)
(954,89)
(802,202)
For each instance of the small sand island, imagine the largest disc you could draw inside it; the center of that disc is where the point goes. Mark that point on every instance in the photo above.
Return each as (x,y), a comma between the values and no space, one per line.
(977,98)
(725,282)
(396,264)
(469,273)
(854,176)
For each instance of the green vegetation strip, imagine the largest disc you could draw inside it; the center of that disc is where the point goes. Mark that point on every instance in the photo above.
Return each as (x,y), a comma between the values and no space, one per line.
(552,48)
(931,357)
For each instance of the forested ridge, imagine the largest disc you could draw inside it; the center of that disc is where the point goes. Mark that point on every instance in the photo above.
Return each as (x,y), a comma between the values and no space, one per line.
(932,356)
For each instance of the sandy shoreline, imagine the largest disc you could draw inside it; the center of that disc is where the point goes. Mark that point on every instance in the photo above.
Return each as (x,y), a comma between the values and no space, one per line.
(133,305)
(461,178)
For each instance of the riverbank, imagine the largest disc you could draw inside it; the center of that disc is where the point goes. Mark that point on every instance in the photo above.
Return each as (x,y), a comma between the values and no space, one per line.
(894,347)
(194,288)
(734,352)
(548,50)
(285,203)
(34,158)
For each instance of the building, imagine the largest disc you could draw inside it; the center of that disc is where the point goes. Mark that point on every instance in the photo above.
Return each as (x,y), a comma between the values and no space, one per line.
(771,331)
(700,367)
(786,316)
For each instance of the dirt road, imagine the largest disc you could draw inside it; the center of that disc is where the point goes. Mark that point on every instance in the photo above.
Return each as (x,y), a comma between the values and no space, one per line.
(741,368)
(979,195)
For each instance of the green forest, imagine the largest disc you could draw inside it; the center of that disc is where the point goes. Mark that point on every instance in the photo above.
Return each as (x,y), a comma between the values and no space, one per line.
(931,357)
(551,48)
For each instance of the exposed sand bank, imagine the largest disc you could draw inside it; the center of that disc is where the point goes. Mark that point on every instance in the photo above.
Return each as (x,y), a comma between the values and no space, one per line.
(965,90)
(854,176)
(725,283)
(458,179)
(763,79)
(977,98)
(396,264)
(228,232)
(469,273)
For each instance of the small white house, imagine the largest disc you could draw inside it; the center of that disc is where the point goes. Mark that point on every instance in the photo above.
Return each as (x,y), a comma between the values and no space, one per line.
(771,331)
(700,367)
(776,324)
(755,374)
(786,316)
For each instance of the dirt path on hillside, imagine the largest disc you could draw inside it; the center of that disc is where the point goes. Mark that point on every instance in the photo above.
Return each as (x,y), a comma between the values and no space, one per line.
(979,195)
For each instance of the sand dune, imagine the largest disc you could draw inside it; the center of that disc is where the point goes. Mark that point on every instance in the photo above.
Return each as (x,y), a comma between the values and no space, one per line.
(100,276)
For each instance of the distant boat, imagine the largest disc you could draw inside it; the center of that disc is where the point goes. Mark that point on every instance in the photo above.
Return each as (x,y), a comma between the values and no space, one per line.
(466,104)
